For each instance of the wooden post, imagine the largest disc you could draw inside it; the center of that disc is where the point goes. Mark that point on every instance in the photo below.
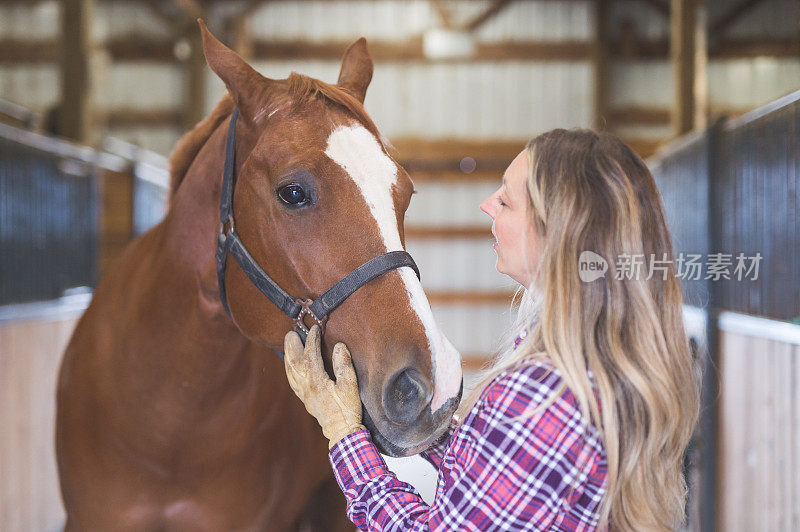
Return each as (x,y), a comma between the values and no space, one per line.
(195,99)
(682,53)
(75,113)
(240,36)
(702,104)
(600,60)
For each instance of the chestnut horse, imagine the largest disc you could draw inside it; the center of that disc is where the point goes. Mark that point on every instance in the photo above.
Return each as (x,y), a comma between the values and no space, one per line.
(173,415)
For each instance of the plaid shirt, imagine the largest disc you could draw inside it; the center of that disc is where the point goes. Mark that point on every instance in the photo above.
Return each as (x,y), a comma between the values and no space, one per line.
(496,472)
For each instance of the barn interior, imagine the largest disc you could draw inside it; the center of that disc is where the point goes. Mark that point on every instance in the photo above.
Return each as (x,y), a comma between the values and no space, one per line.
(94,95)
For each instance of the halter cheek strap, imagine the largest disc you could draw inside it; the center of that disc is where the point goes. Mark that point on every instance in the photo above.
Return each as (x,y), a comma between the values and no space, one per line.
(229,242)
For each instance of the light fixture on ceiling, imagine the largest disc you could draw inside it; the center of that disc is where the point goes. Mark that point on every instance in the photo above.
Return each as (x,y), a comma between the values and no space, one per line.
(442,43)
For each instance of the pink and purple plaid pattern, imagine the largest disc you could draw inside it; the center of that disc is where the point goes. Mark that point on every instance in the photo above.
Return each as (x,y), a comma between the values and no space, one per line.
(501,469)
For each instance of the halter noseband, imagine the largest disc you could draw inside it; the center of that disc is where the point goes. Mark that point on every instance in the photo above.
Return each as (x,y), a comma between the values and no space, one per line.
(296,308)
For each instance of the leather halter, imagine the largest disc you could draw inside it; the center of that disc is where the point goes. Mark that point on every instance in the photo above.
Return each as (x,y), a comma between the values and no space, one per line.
(318,310)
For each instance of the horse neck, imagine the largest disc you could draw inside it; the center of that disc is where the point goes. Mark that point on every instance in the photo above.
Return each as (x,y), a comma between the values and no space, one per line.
(192,223)
(187,254)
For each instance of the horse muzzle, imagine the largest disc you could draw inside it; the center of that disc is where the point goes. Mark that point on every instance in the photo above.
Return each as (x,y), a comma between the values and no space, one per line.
(407,424)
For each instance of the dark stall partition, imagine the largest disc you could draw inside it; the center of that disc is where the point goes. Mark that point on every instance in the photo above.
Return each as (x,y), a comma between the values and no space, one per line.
(48,216)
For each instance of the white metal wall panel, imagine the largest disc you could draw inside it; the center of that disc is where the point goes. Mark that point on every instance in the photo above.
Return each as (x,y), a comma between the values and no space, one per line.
(474,329)
(749,83)
(33,86)
(458,265)
(215,89)
(737,83)
(35,21)
(461,100)
(126,18)
(320,20)
(446,203)
(142,85)
(41,20)
(654,132)
(158,139)
(391,20)
(641,84)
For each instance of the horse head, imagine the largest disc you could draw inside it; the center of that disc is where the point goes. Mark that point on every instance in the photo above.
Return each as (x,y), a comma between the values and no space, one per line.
(317,195)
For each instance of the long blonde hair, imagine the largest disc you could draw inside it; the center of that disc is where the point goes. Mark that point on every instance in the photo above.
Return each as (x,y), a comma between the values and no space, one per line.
(590,192)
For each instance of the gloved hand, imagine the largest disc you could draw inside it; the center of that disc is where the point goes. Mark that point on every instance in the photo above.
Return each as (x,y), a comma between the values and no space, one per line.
(337,406)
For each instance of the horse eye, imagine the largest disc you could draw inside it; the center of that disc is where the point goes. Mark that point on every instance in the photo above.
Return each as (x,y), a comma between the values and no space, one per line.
(293,195)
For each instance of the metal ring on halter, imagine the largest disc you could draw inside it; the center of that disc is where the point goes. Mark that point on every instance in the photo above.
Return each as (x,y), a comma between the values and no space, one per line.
(228,221)
(305,305)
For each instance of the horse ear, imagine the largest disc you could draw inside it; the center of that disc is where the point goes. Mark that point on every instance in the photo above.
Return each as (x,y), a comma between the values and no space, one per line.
(243,82)
(356,72)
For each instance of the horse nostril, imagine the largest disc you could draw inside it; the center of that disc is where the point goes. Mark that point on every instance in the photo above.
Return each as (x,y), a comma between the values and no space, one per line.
(405,396)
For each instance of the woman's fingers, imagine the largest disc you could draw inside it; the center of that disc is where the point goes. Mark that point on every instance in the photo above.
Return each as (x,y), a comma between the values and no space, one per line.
(343,367)
(292,353)
(312,355)
(304,362)
(292,349)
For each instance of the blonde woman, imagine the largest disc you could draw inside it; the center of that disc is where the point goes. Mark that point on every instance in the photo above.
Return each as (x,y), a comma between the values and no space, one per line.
(583,420)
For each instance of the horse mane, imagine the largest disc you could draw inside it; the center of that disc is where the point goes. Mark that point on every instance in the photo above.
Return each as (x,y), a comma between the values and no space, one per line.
(303,88)
(300,88)
(190,144)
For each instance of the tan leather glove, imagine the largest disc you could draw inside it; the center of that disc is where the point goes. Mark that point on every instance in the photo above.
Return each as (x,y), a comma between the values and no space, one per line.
(337,406)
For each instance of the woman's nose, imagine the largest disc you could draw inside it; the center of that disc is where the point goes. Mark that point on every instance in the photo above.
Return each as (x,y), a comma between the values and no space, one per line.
(487,206)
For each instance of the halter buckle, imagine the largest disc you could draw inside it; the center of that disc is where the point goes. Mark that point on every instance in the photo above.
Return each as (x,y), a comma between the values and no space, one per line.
(305,309)
(230,221)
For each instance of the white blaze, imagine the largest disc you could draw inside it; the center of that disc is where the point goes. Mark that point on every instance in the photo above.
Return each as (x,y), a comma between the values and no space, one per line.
(357,151)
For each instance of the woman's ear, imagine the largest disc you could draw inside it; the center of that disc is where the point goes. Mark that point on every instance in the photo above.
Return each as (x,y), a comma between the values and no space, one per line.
(356,71)
(245,85)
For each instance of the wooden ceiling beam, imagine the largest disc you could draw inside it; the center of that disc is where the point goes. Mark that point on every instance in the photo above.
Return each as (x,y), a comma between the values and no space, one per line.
(659,5)
(412,50)
(121,118)
(443,12)
(249,6)
(424,150)
(444,166)
(469,298)
(492,11)
(191,8)
(17,51)
(133,49)
(432,232)
(729,18)
(457,175)
(719,49)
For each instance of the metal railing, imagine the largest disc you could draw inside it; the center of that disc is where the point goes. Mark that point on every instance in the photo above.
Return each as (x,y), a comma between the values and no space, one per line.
(51,210)
(48,216)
